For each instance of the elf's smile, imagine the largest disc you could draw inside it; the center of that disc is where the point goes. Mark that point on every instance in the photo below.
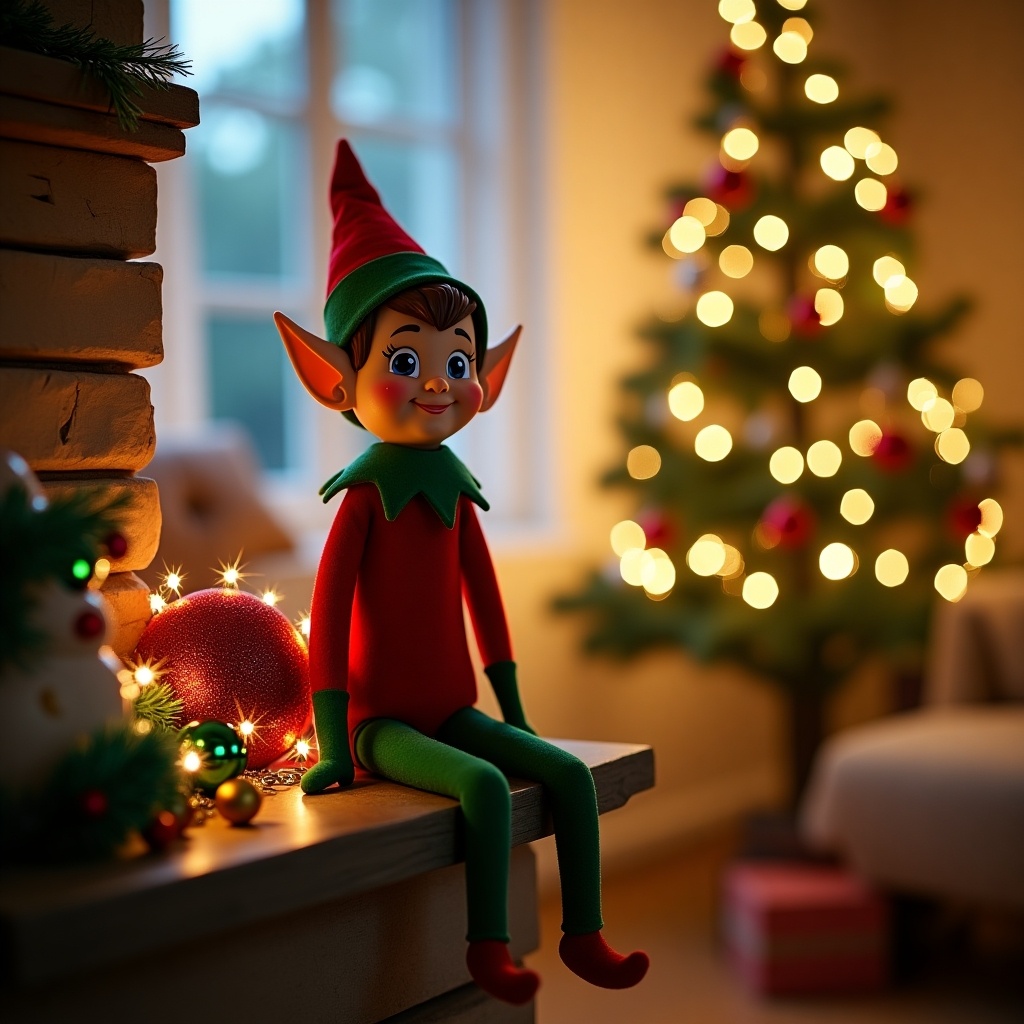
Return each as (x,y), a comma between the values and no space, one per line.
(434,410)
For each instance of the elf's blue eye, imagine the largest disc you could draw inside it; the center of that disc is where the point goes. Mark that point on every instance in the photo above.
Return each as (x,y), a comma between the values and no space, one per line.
(405,362)
(458,366)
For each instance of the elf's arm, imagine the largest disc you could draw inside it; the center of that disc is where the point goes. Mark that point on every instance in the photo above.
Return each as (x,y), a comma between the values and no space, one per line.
(331,613)
(487,613)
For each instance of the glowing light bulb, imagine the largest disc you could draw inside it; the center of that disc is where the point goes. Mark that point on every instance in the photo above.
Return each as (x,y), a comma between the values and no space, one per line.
(952,446)
(864,437)
(881,158)
(837,561)
(714,309)
(736,10)
(790,47)
(828,304)
(643,462)
(979,549)
(832,262)
(805,384)
(951,582)
(719,223)
(968,394)
(687,234)
(657,573)
(156,603)
(821,89)
(702,209)
(246,728)
(302,749)
(887,269)
(870,194)
(748,35)
(857,506)
(760,590)
(144,675)
(824,458)
(736,261)
(231,574)
(938,415)
(706,555)
(740,143)
(304,624)
(801,26)
(891,568)
(857,141)
(793,5)
(921,392)
(686,401)
(991,517)
(786,465)
(837,163)
(191,762)
(626,535)
(630,565)
(713,443)
(771,232)
(900,293)
(733,564)
(270,597)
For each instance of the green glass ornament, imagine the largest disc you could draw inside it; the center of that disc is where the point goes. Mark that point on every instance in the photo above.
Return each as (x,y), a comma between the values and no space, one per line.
(212,752)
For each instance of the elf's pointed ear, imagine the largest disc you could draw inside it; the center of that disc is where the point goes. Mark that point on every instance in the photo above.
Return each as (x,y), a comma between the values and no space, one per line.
(324,369)
(495,368)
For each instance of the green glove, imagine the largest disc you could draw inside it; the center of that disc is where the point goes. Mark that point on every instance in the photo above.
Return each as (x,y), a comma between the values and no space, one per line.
(330,717)
(502,675)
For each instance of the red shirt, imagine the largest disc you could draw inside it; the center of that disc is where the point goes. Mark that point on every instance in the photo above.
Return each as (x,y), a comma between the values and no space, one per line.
(387,619)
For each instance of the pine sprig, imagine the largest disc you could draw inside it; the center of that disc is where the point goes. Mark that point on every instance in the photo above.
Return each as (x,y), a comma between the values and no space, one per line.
(158,705)
(123,69)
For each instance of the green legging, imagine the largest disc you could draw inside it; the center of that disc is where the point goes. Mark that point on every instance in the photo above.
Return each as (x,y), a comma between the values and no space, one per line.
(466,762)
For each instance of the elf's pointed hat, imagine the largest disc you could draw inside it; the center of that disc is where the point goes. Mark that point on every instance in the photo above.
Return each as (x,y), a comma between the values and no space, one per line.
(372,258)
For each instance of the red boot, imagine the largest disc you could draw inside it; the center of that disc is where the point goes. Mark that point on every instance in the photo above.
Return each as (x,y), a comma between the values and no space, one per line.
(495,972)
(595,961)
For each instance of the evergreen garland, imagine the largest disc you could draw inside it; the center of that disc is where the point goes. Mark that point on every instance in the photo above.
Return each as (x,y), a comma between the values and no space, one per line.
(158,705)
(123,70)
(110,785)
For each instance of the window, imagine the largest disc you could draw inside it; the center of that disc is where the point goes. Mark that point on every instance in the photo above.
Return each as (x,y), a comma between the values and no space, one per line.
(436,97)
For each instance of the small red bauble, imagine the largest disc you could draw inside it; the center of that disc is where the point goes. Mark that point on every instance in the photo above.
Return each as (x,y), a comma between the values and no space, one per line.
(94,803)
(730,63)
(898,207)
(806,320)
(116,545)
(658,528)
(733,189)
(229,656)
(893,453)
(963,517)
(89,625)
(788,522)
(162,831)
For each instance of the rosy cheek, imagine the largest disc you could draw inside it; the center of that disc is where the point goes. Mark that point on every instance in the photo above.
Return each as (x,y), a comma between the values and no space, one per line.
(389,394)
(474,395)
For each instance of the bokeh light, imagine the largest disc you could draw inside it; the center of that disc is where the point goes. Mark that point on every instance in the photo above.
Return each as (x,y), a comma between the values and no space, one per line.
(790,47)
(630,565)
(801,26)
(881,158)
(805,384)
(857,506)
(713,443)
(979,549)
(657,573)
(686,400)
(824,458)
(736,261)
(871,194)
(736,10)
(627,535)
(991,517)
(740,143)
(719,222)
(886,269)
(837,561)
(832,262)
(771,232)
(921,392)
(901,293)
(748,35)
(703,209)
(938,415)
(793,5)
(733,564)
(951,582)
(828,304)
(760,590)
(687,234)
(706,555)
(857,140)
(952,446)
(786,464)
(864,437)
(891,568)
(643,462)
(821,89)
(837,163)
(714,309)
(968,394)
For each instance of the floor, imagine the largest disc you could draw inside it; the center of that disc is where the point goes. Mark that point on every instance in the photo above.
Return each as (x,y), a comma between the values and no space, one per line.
(669,909)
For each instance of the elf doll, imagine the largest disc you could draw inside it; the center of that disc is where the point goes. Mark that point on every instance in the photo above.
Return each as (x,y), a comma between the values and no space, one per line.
(406,357)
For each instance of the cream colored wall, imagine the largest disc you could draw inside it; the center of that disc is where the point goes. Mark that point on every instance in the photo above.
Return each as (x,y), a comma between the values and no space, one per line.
(621,81)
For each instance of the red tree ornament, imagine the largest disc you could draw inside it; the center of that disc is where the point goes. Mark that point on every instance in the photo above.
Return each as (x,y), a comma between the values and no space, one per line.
(893,453)
(658,528)
(733,189)
(963,517)
(788,522)
(730,63)
(803,316)
(229,656)
(898,206)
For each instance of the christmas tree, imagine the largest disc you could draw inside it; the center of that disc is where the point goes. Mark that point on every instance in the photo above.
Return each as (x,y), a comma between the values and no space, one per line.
(806,478)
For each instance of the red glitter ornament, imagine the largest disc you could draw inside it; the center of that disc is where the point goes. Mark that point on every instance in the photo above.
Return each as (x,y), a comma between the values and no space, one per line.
(787,522)
(893,453)
(963,517)
(229,656)
(733,189)
(806,320)
(89,625)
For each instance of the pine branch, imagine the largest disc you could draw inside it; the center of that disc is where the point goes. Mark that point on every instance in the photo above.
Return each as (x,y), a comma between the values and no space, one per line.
(158,705)
(123,69)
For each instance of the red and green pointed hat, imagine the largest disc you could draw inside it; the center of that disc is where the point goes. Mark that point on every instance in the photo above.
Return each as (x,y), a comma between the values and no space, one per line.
(372,258)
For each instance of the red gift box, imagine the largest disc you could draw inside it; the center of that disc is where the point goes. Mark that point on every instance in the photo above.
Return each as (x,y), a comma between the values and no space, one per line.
(795,929)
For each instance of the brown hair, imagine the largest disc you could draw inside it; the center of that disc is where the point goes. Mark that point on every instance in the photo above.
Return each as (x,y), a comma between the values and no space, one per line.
(441,305)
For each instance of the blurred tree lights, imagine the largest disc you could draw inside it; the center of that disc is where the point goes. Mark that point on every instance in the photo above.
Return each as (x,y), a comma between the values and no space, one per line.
(806,474)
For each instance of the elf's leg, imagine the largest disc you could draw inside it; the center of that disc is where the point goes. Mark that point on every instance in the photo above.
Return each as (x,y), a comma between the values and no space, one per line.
(569,787)
(401,753)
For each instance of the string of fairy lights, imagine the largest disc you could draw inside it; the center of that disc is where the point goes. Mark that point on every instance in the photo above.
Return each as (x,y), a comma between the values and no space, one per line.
(134,677)
(651,568)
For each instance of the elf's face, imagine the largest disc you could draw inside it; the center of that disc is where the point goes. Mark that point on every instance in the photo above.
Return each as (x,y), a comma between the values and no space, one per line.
(418,385)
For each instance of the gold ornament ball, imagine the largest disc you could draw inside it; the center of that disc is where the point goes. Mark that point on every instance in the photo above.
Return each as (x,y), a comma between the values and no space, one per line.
(238,800)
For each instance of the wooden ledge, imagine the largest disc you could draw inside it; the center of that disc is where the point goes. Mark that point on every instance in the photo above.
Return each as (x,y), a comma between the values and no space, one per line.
(299,852)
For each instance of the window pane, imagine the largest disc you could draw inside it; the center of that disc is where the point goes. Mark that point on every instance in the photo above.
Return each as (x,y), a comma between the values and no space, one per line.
(248,374)
(420,186)
(247,47)
(248,169)
(396,59)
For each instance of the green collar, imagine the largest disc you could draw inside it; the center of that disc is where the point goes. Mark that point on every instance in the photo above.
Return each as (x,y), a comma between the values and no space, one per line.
(401,473)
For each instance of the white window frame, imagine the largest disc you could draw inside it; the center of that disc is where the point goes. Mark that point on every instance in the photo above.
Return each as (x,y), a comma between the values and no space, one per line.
(500,143)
